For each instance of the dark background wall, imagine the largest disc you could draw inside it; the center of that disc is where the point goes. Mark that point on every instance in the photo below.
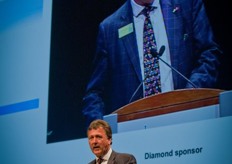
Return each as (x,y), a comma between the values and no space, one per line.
(74,31)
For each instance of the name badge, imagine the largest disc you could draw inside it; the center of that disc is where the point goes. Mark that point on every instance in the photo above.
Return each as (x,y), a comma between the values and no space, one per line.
(125,30)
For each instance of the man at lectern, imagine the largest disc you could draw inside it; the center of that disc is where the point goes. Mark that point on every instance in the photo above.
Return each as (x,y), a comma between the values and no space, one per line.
(148,47)
(100,139)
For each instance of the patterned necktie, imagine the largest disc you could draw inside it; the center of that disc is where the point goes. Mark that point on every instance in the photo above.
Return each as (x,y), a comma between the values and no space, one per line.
(99,160)
(152,83)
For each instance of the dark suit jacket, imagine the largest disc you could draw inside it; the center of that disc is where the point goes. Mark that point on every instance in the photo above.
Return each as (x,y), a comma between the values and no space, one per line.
(117,71)
(119,158)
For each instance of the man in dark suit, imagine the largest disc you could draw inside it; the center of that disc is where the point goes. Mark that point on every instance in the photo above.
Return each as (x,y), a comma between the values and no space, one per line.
(181,26)
(100,139)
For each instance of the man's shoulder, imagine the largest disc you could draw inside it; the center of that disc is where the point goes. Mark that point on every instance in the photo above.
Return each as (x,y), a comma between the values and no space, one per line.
(123,11)
(92,162)
(122,155)
(121,158)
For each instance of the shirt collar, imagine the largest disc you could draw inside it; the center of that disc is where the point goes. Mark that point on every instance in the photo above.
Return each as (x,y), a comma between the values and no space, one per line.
(106,156)
(137,9)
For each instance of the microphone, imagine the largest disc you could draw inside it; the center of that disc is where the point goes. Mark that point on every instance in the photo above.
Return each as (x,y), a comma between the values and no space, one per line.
(158,55)
(153,52)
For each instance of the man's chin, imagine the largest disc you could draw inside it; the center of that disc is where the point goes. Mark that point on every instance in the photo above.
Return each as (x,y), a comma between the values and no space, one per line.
(97,152)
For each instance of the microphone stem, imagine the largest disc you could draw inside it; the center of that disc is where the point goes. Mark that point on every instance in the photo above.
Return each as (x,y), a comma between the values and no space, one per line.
(136,91)
(194,86)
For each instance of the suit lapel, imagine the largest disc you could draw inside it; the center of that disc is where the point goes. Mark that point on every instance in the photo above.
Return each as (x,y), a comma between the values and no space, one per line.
(168,16)
(129,40)
(177,33)
(112,158)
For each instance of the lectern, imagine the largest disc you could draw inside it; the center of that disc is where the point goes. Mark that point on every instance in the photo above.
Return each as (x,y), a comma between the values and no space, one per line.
(167,108)
(178,100)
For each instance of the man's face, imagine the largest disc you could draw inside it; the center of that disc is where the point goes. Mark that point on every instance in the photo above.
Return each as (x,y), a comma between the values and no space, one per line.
(98,141)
